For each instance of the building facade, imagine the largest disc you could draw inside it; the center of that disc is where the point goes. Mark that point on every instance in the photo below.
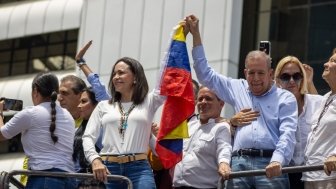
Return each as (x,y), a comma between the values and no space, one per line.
(38,35)
(45,35)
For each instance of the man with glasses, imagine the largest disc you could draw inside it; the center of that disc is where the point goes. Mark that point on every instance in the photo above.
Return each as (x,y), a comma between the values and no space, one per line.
(267,142)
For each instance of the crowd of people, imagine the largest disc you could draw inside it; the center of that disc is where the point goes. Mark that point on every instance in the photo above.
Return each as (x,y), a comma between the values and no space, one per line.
(280,121)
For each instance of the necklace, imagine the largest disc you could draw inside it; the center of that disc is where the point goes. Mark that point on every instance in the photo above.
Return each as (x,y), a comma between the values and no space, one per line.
(123,119)
(325,108)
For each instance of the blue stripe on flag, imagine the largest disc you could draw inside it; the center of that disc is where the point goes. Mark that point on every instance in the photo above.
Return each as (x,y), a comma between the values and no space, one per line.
(174,145)
(178,57)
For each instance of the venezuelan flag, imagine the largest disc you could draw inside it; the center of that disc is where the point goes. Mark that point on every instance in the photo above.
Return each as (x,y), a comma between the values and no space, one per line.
(176,84)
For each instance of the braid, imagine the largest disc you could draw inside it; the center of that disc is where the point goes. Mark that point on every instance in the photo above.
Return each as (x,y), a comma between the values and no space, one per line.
(47,86)
(53,116)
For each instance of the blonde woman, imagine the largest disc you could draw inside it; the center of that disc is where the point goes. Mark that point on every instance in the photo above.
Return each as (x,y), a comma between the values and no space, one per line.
(292,75)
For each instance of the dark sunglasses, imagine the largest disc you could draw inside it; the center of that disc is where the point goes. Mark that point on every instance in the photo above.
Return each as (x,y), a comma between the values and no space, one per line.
(287,77)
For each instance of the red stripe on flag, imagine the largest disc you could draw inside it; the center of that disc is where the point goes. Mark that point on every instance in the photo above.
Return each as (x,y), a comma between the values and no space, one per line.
(176,84)
(179,106)
(167,157)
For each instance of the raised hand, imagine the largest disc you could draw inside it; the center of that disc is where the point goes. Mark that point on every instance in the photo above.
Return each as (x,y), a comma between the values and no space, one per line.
(185,26)
(82,52)
(192,23)
(309,72)
(310,83)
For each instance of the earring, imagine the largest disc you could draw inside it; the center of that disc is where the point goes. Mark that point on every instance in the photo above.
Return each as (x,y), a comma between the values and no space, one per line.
(134,82)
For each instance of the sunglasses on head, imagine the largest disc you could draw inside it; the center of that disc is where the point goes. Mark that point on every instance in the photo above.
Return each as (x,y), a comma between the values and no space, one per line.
(287,77)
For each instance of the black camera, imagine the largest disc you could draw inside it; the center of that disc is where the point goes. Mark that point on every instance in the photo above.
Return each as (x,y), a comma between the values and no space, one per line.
(265,46)
(12,104)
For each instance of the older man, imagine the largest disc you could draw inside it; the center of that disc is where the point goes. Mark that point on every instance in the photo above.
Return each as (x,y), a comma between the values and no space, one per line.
(70,91)
(267,142)
(207,153)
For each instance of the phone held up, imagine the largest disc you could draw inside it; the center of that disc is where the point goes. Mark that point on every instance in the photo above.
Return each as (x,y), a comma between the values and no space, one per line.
(12,104)
(265,46)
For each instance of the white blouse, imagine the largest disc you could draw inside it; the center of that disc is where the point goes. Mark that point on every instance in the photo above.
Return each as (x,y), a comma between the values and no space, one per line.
(106,119)
(33,123)
(321,141)
(311,104)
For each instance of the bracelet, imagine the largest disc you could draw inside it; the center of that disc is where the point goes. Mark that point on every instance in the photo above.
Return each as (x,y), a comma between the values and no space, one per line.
(80,62)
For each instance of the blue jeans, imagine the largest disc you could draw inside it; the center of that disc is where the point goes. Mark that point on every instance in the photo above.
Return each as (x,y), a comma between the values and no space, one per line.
(139,172)
(248,163)
(41,182)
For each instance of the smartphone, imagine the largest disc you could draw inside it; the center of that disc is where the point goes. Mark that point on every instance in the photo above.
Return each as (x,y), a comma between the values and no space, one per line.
(12,104)
(265,46)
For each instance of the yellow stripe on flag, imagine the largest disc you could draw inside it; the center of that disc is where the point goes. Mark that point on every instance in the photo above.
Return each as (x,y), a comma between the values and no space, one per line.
(179,34)
(181,131)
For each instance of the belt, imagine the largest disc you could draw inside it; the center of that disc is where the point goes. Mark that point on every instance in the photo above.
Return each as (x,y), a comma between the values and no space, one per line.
(253,152)
(124,158)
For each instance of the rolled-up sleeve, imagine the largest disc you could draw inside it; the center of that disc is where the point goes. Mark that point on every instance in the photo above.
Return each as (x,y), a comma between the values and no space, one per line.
(98,87)
(223,141)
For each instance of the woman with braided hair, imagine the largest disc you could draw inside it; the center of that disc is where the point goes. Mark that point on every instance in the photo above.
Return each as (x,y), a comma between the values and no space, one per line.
(47,133)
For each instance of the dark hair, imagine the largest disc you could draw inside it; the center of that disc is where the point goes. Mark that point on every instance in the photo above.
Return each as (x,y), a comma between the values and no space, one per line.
(91,95)
(140,87)
(203,86)
(78,152)
(47,85)
(79,84)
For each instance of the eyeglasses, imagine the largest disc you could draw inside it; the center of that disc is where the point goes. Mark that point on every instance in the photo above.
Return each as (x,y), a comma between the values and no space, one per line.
(287,77)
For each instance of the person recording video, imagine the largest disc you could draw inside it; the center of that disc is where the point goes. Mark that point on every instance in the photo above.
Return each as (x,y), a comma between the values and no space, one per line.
(47,133)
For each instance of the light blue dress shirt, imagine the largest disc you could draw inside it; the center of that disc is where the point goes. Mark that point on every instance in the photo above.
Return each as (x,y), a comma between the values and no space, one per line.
(275,127)
(98,87)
